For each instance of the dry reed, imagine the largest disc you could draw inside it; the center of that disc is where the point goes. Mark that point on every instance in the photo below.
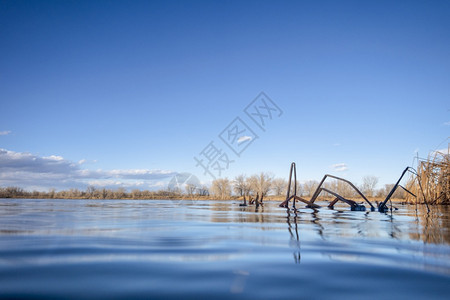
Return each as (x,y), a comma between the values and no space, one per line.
(432,184)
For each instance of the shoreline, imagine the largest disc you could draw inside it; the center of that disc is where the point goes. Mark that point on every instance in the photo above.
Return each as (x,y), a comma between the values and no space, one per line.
(373,200)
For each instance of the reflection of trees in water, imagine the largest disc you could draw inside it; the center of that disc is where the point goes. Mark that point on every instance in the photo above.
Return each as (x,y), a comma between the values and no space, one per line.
(394,231)
(402,224)
(230,212)
(428,227)
(433,226)
(330,224)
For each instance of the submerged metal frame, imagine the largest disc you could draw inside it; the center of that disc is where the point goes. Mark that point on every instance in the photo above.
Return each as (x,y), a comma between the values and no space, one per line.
(319,189)
(352,203)
(382,207)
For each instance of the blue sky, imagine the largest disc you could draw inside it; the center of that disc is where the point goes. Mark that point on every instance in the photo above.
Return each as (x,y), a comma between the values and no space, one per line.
(119,93)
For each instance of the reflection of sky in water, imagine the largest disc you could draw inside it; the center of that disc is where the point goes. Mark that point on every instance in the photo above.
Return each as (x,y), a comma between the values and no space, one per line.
(226,246)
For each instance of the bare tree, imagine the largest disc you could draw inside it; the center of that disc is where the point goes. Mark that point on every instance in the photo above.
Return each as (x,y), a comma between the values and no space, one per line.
(344,189)
(300,189)
(174,190)
(310,186)
(104,193)
(51,193)
(120,193)
(279,186)
(90,191)
(240,185)
(135,194)
(221,188)
(74,193)
(12,192)
(203,191)
(383,192)
(190,189)
(260,184)
(369,184)
(330,185)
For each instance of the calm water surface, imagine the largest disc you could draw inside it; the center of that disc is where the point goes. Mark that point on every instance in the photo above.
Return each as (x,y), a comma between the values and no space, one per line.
(215,249)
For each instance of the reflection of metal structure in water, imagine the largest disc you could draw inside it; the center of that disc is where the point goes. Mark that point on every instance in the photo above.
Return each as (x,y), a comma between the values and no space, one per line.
(295,239)
(311,204)
(316,221)
(382,207)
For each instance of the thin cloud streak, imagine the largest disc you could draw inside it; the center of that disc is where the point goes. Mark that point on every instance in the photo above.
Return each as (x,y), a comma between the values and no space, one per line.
(244,138)
(341,167)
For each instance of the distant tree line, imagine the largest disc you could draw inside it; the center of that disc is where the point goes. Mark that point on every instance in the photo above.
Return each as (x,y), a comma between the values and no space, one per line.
(91,192)
(262,184)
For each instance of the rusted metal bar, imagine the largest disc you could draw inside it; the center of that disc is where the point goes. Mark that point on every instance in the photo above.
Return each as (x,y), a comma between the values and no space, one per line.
(349,202)
(308,203)
(353,204)
(319,189)
(292,171)
(332,203)
(288,192)
(295,183)
(382,206)
(406,190)
(286,202)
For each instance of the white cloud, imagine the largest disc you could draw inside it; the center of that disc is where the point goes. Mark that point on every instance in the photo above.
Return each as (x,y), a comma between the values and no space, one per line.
(5,132)
(244,138)
(341,167)
(85,161)
(114,184)
(54,157)
(137,173)
(447,123)
(29,170)
(336,144)
(26,162)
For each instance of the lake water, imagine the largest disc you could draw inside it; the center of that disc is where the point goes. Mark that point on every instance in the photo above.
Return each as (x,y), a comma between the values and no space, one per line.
(215,249)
